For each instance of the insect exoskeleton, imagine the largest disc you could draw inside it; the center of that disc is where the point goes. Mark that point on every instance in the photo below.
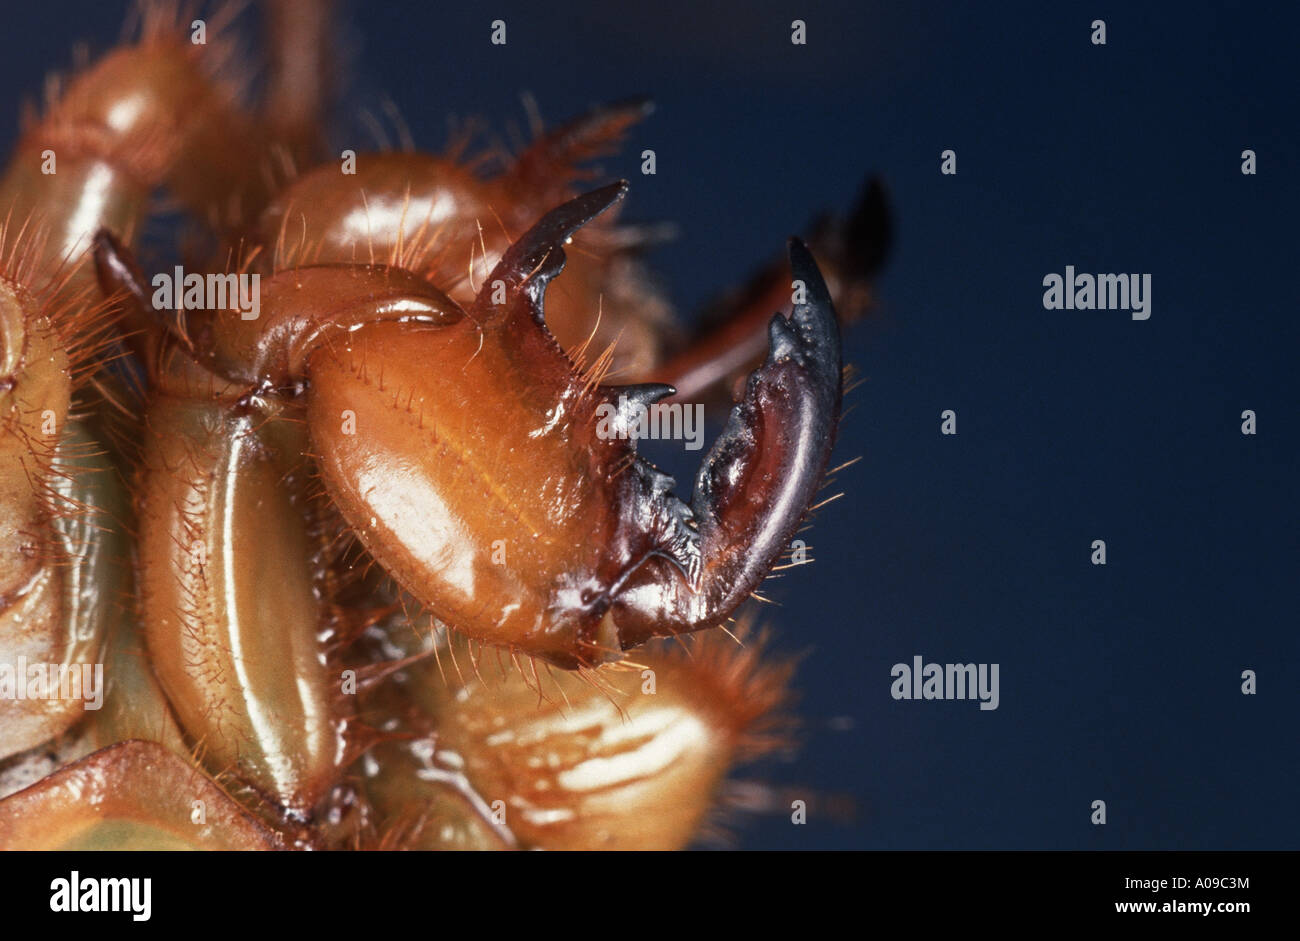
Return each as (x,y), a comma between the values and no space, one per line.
(490,753)
(478,475)
(480,468)
(134,706)
(441,217)
(53,564)
(121,696)
(35,636)
(153,112)
(229,595)
(134,795)
(147,113)
(411,411)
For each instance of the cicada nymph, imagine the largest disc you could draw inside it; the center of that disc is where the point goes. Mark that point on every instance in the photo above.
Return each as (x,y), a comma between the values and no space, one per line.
(346,516)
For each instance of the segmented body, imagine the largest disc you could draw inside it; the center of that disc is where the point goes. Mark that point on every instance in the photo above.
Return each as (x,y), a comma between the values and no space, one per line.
(374,524)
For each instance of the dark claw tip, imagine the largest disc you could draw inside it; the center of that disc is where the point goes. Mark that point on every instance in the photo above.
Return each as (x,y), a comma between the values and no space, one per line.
(107,248)
(805,269)
(586,207)
(540,243)
(115,265)
(646,393)
(811,337)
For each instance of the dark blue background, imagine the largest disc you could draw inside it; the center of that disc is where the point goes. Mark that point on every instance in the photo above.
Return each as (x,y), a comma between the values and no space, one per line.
(1121,682)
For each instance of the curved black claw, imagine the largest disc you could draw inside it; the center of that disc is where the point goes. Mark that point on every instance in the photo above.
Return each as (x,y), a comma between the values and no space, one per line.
(119,275)
(755,486)
(814,339)
(630,402)
(538,256)
(116,268)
